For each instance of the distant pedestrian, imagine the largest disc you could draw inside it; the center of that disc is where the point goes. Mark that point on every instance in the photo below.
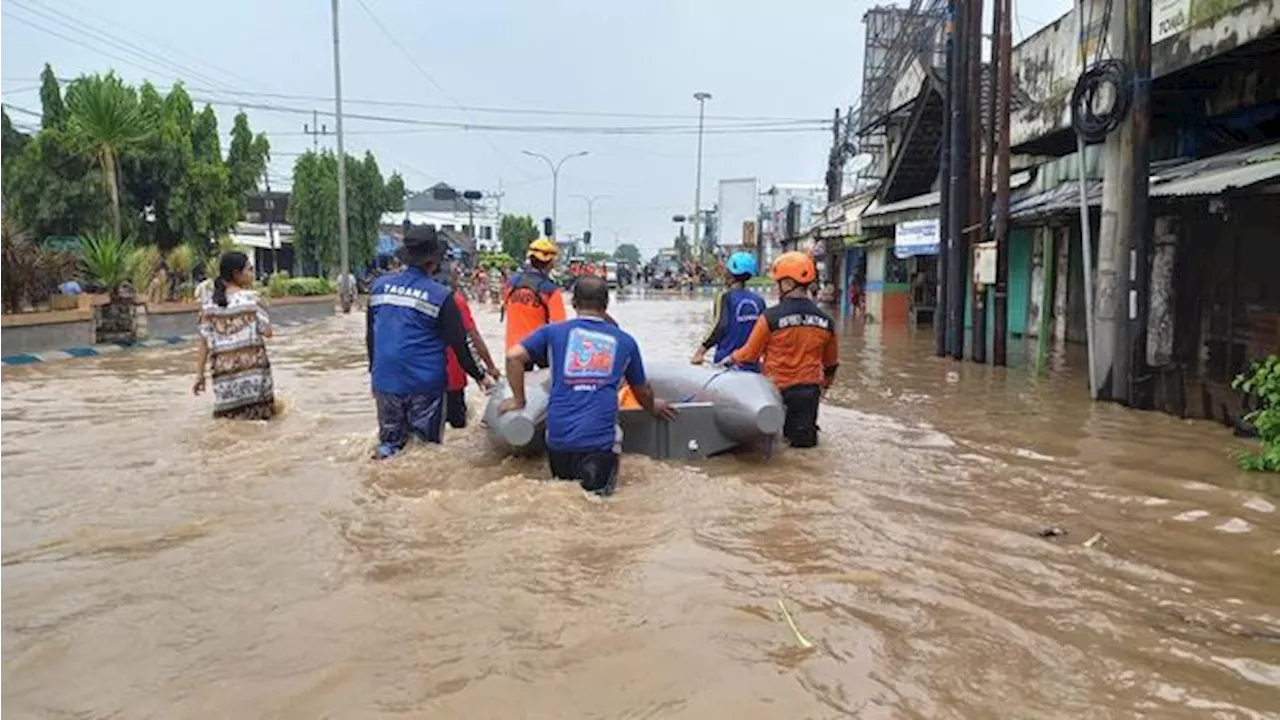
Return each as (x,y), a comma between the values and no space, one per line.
(412,320)
(233,328)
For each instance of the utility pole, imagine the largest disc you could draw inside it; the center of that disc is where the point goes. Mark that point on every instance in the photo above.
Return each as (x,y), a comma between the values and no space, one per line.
(315,130)
(958,180)
(940,316)
(343,238)
(1003,90)
(974,223)
(1112,334)
(1139,21)
(702,98)
(270,205)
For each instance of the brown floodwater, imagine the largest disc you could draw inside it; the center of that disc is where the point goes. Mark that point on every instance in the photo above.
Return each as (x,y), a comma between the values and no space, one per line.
(159,564)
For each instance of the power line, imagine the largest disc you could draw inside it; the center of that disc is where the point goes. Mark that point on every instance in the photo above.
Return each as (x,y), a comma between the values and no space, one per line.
(78,42)
(73,24)
(159,42)
(396,43)
(536,129)
(513,110)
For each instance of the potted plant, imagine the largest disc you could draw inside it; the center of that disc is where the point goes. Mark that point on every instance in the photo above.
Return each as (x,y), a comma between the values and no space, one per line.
(109,261)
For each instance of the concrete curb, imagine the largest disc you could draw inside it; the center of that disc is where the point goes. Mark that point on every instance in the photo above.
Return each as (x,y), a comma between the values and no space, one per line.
(108,348)
(90,351)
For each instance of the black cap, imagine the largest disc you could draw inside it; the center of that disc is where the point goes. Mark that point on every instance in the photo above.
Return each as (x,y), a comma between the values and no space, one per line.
(421,244)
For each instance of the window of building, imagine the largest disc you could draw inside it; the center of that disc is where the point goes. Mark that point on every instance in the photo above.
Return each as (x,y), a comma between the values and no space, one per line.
(449,228)
(486,232)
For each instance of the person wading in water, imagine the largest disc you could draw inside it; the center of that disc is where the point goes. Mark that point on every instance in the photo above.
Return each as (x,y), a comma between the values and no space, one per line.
(233,326)
(736,312)
(531,299)
(589,358)
(412,320)
(798,342)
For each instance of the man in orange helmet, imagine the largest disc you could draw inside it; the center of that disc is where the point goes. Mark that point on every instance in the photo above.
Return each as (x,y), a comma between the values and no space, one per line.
(531,298)
(798,342)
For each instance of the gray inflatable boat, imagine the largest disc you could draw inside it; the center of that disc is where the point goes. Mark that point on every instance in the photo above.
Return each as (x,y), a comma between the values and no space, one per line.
(719,410)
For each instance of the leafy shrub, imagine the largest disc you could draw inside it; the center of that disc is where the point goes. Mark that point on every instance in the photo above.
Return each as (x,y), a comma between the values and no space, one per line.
(144,262)
(496,261)
(31,272)
(281,285)
(186,291)
(181,261)
(1263,381)
(108,260)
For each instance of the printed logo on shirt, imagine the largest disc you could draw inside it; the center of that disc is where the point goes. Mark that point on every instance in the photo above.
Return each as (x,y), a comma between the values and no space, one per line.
(746,311)
(804,319)
(589,355)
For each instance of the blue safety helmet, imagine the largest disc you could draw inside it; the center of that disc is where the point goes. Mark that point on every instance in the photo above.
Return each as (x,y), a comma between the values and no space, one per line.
(741,263)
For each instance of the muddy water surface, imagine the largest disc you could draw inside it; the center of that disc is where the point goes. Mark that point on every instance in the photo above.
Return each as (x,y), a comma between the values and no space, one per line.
(158,564)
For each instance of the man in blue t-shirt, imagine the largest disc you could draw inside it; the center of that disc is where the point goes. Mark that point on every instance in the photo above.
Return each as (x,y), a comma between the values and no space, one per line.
(589,359)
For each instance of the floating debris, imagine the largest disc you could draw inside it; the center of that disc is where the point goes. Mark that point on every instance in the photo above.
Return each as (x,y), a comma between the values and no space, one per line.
(800,638)
(1093,540)
(1050,532)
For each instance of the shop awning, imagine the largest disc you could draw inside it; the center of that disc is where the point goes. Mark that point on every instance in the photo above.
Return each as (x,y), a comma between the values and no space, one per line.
(1218,174)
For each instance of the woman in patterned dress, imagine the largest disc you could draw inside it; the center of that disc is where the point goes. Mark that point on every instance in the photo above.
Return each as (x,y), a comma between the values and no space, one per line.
(233,326)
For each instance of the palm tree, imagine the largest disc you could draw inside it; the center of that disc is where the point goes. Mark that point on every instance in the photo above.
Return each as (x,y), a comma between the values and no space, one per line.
(106,119)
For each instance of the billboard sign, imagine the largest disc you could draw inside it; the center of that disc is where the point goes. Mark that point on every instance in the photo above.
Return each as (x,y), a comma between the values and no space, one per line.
(738,206)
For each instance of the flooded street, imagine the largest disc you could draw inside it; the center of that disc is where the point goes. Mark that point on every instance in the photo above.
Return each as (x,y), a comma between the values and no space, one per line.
(158,564)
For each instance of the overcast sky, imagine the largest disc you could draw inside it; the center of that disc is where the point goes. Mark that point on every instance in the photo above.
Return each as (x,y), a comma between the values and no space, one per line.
(795,60)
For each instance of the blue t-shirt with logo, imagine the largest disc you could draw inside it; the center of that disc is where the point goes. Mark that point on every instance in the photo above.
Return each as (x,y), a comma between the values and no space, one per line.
(589,359)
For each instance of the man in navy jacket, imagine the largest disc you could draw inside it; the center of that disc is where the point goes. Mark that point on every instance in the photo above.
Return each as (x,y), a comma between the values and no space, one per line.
(412,319)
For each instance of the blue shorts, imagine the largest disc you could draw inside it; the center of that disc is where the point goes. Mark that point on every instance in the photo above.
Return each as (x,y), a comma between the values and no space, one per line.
(420,414)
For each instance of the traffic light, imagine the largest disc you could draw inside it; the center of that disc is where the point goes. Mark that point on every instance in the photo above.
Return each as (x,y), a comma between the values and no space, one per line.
(547,229)
(586,238)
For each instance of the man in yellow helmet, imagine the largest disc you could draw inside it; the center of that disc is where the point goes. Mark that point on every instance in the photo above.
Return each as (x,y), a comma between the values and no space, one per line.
(531,298)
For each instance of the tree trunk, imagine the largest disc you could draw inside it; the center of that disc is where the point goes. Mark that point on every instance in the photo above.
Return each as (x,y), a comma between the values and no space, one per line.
(111,177)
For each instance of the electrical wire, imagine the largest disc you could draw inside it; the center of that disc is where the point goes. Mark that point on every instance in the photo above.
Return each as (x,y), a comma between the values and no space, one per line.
(533,129)
(513,110)
(1109,79)
(72,24)
(422,71)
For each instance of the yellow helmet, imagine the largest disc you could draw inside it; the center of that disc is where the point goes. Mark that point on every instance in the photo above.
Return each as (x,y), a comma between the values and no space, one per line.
(543,250)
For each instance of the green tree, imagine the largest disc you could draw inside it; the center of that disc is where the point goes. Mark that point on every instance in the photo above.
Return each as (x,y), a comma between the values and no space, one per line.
(313,210)
(52,188)
(367,199)
(516,232)
(105,119)
(53,112)
(14,141)
(246,160)
(628,253)
(682,247)
(395,193)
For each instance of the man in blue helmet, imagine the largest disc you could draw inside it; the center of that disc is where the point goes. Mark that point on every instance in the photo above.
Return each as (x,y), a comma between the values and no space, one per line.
(736,312)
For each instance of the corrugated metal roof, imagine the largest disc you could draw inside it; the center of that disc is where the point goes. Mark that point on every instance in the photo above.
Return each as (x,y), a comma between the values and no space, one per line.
(1218,174)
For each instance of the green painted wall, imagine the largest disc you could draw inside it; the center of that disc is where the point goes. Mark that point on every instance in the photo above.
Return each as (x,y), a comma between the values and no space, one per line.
(1020,240)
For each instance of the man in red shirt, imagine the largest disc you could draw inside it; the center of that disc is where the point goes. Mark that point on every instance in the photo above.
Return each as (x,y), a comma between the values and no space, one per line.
(456,398)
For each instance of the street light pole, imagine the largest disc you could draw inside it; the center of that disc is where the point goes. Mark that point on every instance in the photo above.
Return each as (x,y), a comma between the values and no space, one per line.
(343,239)
(555,182)
(702,98)
(591,204)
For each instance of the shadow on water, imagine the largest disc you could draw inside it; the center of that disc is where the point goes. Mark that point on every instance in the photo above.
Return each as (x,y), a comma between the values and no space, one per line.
(158,563)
